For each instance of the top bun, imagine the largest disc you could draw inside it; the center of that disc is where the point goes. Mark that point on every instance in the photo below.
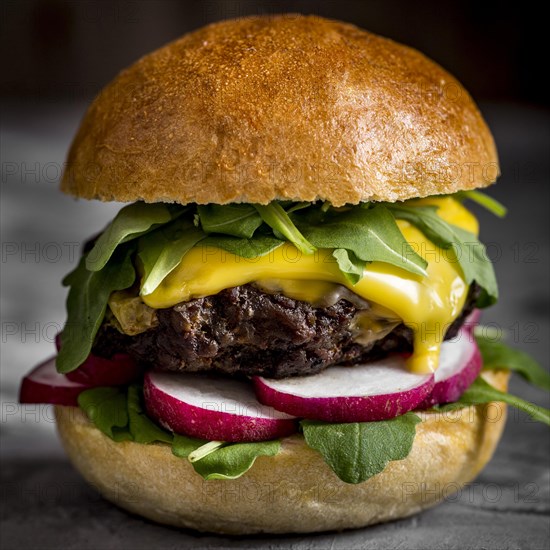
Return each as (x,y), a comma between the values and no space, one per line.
(287,107)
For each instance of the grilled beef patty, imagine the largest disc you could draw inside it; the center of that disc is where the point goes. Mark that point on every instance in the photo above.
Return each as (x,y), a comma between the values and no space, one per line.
(245,331)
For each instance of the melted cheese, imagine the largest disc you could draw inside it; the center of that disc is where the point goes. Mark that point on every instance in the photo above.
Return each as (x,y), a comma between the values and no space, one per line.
(428,305)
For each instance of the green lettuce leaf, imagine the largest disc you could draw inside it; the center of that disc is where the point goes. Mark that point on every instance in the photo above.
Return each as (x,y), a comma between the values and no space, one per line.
(142,428)
(477,266)
(237,220)
(107,409)
(183,445)
(467,249)
(206,449)
(481,392)
(489,203)
(131,222)
(257,247)
(497,355)
(276,217)
(359,450)
(232,461)
(370,233)
(228,461)
(349,264)
(162,250)
(87,303)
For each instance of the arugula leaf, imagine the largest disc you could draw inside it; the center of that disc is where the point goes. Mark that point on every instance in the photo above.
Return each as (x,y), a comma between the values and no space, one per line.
(481,392)
(232,461)
(131,222)
(426,219)
(275,216)
(497,355)
(205,450)
(477,266)
(106,408)
(142,428)
(489,203)
(358,451)
(162,250)
(259,246)
(237,220)
(295,206)
(87,303)
(183,445)
(349,264)
(468,250)
(371,234)
(119,414)
(229,461)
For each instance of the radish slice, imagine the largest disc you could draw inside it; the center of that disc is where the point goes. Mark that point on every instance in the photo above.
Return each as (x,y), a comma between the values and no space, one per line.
(119,370)
(361,393)
(218,409)
(459,364)
(45,385)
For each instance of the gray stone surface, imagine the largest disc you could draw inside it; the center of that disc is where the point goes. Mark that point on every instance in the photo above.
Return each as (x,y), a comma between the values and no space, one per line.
(44,502)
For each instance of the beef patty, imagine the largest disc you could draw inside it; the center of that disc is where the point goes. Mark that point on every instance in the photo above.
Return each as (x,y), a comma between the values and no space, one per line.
(245,331)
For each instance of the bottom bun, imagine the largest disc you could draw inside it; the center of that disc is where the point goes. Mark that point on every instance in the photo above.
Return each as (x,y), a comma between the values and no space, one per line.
(294,491)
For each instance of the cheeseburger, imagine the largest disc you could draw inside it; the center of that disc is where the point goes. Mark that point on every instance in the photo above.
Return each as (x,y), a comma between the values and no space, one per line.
(277,332)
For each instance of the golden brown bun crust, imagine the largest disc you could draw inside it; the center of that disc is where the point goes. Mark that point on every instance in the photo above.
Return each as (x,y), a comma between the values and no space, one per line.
(295,491)
(286,107)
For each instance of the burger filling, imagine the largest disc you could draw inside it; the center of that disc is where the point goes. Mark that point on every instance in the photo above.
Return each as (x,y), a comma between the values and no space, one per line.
(289,289)
(286,289)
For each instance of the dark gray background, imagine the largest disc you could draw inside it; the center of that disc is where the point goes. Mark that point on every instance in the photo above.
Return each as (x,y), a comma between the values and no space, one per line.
(58,54)
(64,48)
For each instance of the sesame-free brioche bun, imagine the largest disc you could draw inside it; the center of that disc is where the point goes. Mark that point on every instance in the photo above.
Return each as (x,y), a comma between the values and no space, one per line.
(294,491)
(282,107)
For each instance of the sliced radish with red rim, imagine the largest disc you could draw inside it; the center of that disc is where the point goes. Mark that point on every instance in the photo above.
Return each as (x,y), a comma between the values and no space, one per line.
(212,408)
(118,370)
(45,385)
(360,393)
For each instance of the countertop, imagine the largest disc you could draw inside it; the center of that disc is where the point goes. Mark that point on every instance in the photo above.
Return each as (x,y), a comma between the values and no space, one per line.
(45,504)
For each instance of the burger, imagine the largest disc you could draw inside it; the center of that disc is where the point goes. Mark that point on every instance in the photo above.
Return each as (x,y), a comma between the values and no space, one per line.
(277,332)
